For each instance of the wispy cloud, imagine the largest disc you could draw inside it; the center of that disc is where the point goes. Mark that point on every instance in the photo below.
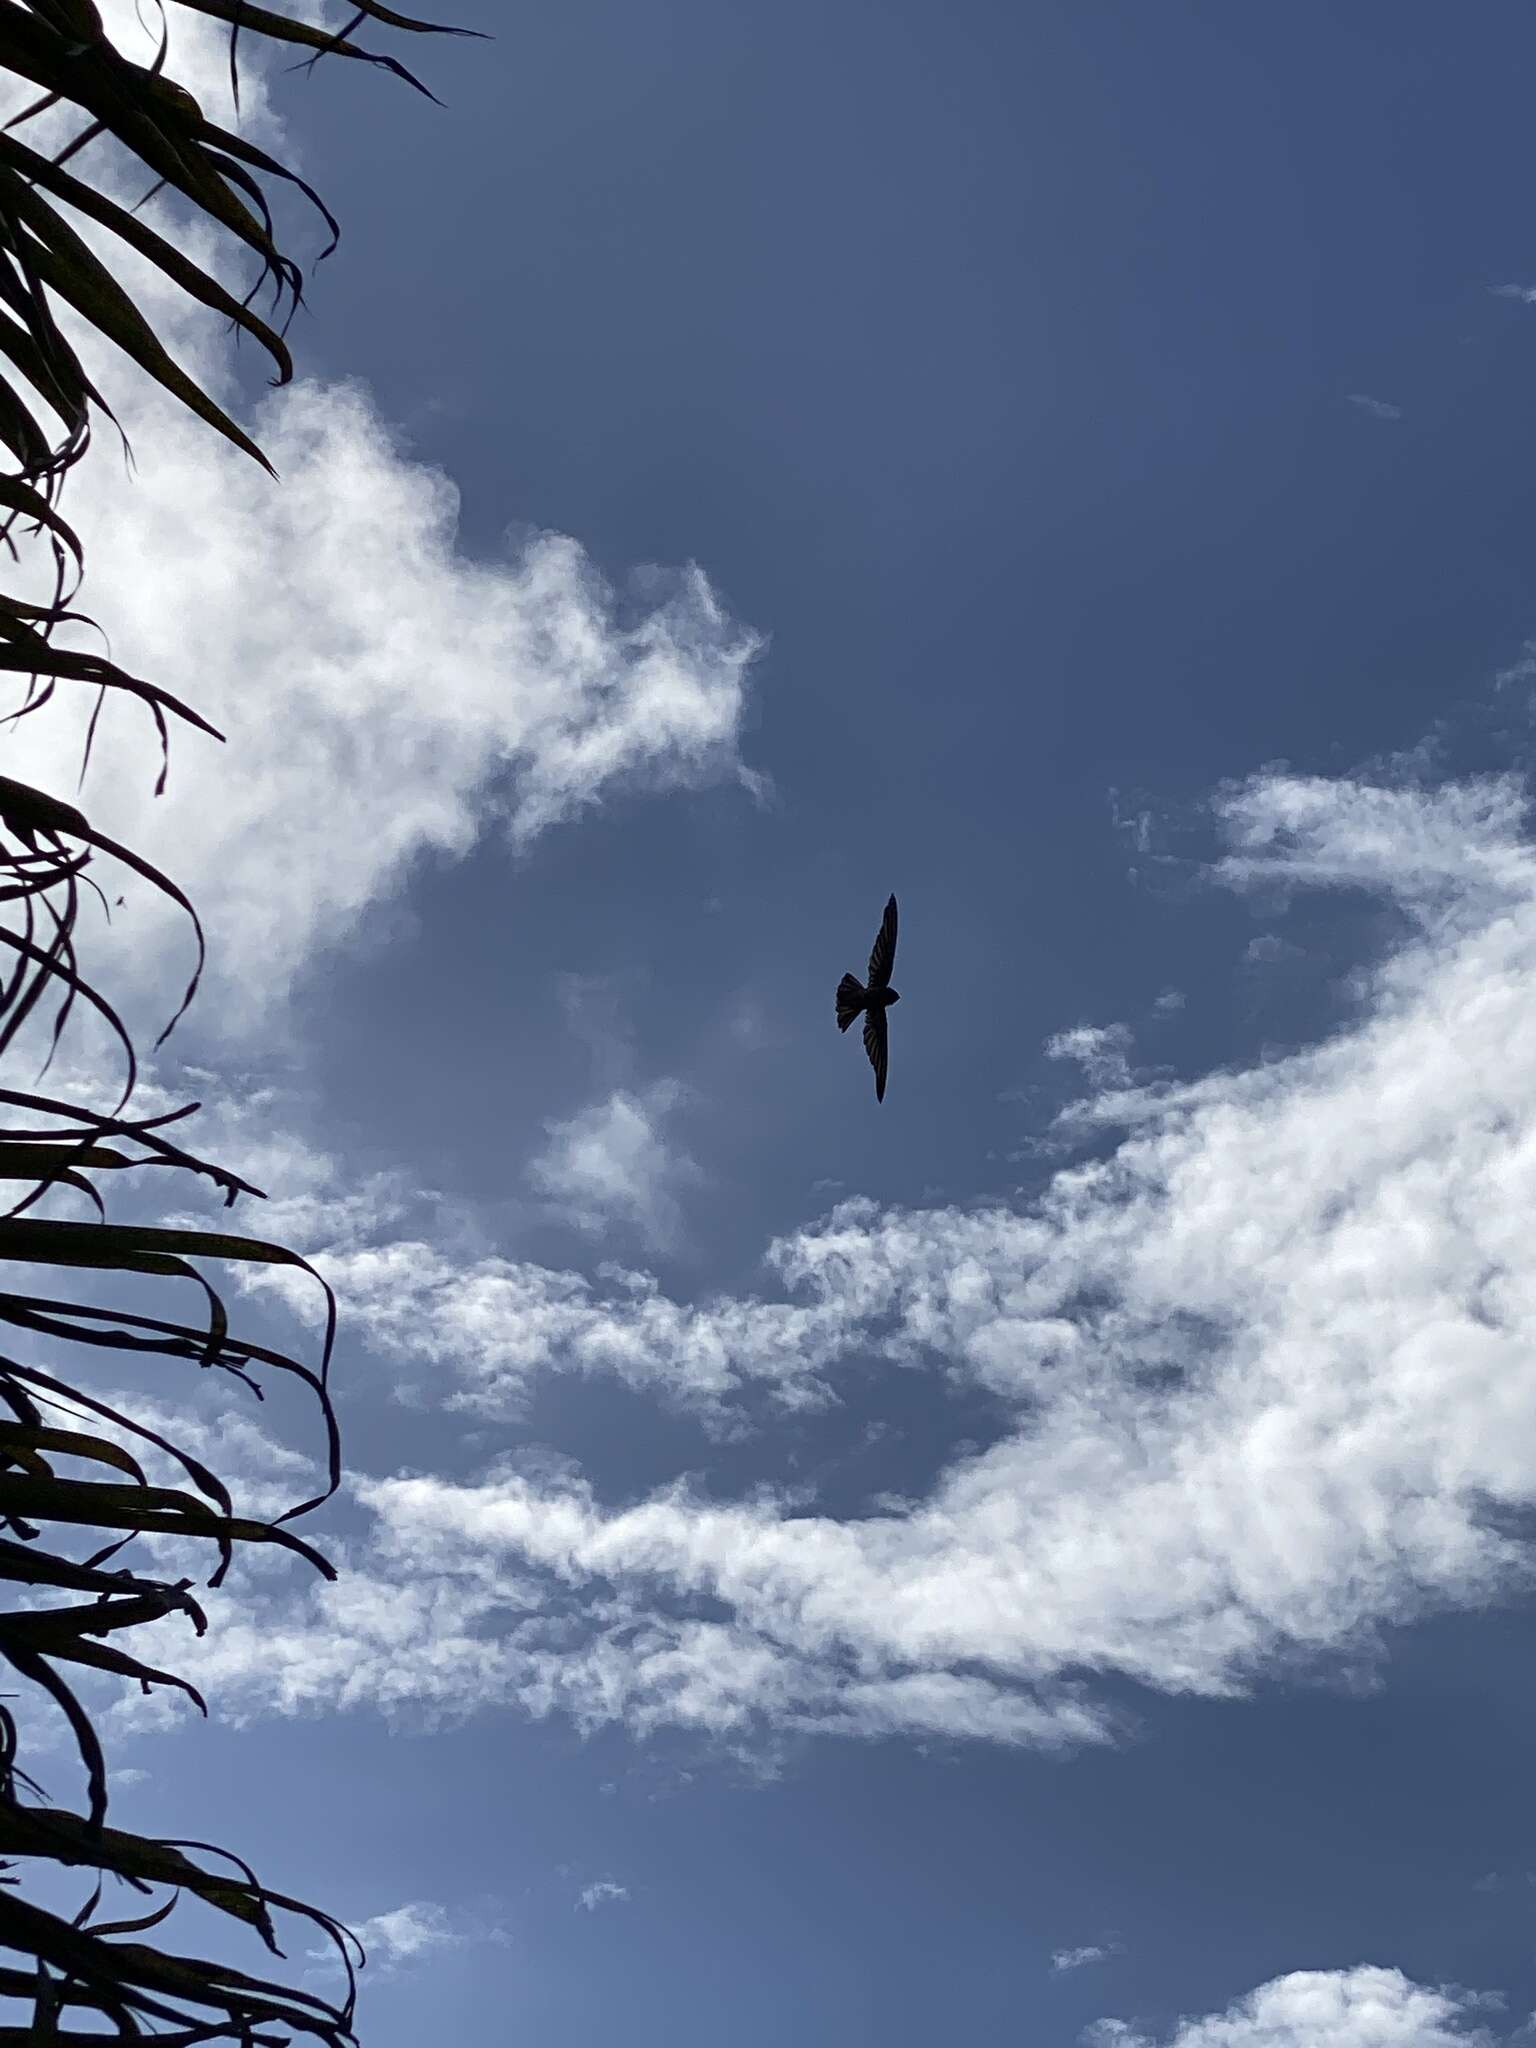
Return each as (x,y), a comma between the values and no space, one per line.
(336,630)
(1272,1362)
(1064,1959)
(495,1324)
(1364,2007)
(412,1934)
(1101,1050)
(604,1893)
(1268,949)
(1525,294)
(612,1163)
(1378,408)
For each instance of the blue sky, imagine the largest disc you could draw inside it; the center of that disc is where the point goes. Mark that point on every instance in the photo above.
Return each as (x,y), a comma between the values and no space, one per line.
(1050,1553)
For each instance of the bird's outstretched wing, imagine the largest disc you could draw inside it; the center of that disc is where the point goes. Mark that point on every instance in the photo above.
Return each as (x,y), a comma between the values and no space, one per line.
(877,1045)
(883,958)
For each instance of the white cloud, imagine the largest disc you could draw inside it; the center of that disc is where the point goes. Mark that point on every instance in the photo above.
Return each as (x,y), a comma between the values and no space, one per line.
(1377,408)
(410,1934)
(200,1416)
(496,1323)
(386,696)
(1525,294)
(1064,1959)
(604,1893)
(1268,948)
(1364,2007)
(612,1164)
(1272,1363)
(1101,1050)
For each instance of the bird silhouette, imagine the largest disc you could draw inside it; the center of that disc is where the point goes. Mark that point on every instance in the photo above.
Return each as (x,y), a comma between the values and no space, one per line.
(873,998)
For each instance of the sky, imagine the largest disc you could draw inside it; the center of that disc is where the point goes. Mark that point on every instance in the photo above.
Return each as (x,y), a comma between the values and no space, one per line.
(1046,1558)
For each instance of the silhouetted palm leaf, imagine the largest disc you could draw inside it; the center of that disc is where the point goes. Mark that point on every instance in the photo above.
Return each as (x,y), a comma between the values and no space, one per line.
(63,1525)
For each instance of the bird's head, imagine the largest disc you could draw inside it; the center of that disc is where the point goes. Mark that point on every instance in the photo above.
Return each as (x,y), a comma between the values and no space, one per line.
(892,995)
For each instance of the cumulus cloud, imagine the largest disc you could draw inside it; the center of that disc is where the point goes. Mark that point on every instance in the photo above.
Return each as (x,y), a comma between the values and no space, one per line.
(613,1164)
(1364,2007)
(1271,1365)
(386,696)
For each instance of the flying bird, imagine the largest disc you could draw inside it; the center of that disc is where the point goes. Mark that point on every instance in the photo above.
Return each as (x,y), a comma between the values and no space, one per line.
(873,998)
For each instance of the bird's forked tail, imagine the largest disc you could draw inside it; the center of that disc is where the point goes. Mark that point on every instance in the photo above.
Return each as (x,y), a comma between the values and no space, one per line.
(851,995)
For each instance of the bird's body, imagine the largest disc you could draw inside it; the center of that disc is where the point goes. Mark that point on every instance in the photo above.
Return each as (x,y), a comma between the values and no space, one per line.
(873,998)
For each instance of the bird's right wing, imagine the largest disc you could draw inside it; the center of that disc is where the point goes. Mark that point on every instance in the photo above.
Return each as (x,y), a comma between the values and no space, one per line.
(877,1045)
(883,958)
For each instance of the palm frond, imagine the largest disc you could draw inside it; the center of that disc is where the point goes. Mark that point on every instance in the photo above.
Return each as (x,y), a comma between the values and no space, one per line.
(76,1481)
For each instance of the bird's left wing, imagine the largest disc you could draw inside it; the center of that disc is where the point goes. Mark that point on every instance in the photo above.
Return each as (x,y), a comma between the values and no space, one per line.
(878,1046)
(883,958)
